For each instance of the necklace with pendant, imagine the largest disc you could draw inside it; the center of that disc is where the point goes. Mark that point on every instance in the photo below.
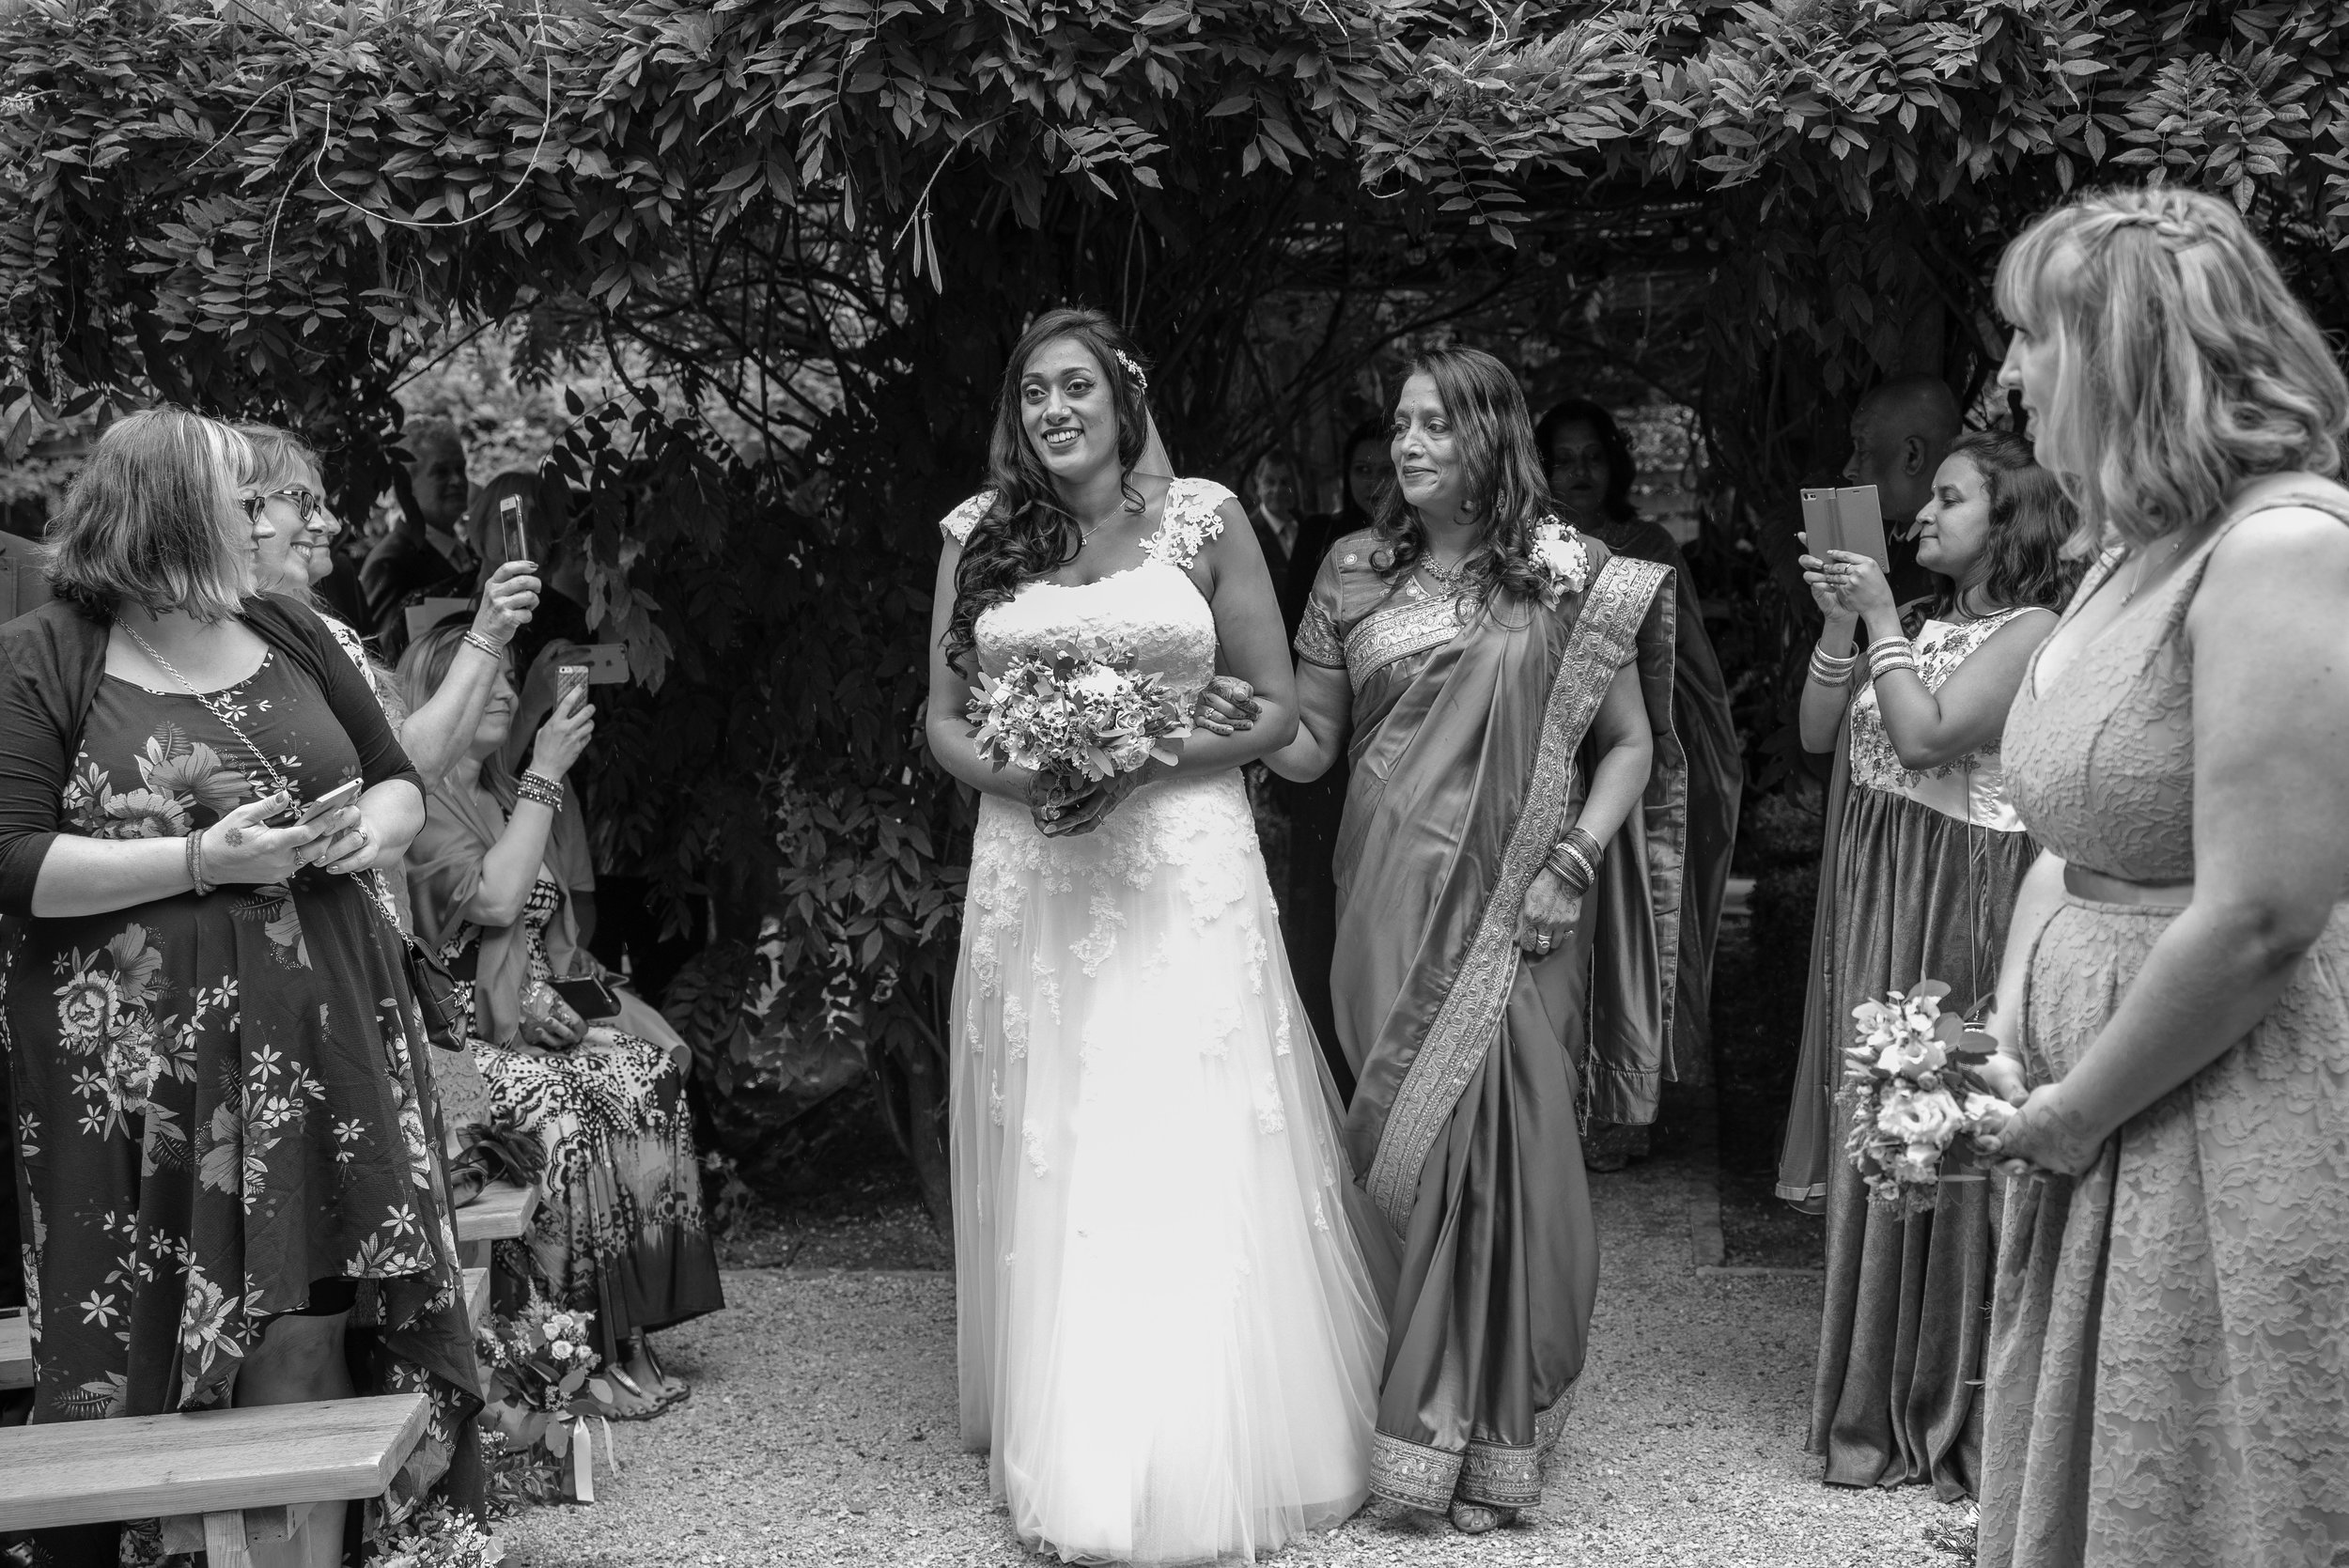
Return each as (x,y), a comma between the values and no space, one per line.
(2137,580)
(1447,578)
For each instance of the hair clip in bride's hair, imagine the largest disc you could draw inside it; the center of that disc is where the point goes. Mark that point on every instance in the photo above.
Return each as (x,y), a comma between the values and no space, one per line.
(1124,363)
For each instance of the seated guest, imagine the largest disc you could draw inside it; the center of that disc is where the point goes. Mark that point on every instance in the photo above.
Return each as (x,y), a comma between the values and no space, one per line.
(620,1233)
(213,1055)
(423,554)
(1590,475)
(1930,855)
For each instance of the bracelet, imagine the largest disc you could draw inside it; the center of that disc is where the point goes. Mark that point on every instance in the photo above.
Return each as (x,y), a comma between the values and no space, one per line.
(495,651)
(1888,654)
(1830,669)
(537,786)
(195,863)
(1575,857)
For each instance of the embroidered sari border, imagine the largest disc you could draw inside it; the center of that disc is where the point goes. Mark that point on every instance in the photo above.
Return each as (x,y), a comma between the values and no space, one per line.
(1604,631)
(1499,1475)
(1388,634)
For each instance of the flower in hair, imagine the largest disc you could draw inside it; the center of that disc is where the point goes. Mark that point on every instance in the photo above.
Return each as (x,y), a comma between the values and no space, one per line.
(1124,363)
(1556,552)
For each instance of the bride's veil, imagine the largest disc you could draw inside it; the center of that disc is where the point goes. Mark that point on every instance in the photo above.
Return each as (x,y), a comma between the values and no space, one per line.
(1154,462)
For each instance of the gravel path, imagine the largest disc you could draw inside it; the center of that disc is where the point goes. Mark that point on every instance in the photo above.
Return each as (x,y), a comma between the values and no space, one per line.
(822,1431)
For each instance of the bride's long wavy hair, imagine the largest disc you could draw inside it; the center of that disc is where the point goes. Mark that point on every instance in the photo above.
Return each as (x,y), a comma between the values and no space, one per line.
(1508,489)
(1028,533)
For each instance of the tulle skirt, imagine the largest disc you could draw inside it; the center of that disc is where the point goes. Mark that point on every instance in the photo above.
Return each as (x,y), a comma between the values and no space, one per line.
(1170,1339)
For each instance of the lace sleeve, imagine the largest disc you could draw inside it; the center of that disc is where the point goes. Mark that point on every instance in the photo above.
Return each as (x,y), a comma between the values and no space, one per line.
(1318,639)
(1191,518)
(956,525)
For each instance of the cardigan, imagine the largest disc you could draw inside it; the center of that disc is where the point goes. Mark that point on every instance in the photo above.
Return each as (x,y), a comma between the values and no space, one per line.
(52,662)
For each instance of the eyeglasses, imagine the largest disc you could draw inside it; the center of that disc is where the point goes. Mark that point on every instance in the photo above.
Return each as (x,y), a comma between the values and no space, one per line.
(307,503)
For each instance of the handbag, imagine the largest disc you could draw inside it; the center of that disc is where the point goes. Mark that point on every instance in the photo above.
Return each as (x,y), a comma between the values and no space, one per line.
(435,988)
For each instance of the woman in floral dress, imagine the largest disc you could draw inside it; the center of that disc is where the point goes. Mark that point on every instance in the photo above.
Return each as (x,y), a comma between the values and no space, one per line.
(620,1233)
(210,1029)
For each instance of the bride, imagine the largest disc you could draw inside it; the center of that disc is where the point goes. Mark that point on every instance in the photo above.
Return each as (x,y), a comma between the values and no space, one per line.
(1170,1336)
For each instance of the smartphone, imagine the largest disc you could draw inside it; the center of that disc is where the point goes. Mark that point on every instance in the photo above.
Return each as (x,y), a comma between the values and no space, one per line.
(607,663)
(1850,518)
(333,799)
(591,999)
(510,531)
(568,679)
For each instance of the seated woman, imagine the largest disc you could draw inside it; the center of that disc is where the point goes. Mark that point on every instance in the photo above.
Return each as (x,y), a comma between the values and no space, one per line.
(620,1233)
(214,1058)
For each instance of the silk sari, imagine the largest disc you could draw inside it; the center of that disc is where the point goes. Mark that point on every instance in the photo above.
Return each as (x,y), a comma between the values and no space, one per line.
(1475,1061)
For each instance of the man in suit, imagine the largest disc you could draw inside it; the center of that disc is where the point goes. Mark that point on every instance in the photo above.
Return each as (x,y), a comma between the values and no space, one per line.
(423,552)
(1899,435)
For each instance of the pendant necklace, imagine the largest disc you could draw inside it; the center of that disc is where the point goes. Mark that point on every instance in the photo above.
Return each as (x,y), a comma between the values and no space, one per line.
(2137,580)
(1447,578)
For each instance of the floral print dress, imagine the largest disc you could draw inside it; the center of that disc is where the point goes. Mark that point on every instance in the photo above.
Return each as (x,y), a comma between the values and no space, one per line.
(216,1095)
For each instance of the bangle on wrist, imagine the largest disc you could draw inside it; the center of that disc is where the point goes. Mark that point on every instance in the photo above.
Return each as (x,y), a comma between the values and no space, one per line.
(195,864)
(534,786)
(494,649)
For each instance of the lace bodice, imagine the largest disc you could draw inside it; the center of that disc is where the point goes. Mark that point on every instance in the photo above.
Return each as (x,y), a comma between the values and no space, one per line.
(1154,608)
(1972,788)
(2100,760)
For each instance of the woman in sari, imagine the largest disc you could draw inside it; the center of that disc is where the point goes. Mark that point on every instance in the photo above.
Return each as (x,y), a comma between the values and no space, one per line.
(1591,473)
(1502,689)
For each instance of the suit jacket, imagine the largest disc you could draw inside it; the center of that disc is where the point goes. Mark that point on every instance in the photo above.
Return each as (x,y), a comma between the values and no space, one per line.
(23,588)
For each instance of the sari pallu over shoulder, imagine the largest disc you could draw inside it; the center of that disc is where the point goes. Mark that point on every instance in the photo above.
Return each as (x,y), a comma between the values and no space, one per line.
(1454,995)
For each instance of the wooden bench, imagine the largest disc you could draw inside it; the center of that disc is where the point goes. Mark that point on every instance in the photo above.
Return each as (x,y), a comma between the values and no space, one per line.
(219,1479)
(16,1351)
(499,1212)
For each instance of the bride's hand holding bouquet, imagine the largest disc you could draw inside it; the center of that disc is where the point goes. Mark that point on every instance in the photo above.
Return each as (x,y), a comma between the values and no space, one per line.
(1085,719)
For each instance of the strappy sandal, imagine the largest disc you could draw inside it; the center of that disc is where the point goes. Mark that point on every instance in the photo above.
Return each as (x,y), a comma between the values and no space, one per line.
(646,1409)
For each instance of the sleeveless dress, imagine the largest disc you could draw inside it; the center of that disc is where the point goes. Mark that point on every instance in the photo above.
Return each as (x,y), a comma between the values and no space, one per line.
(1169,1341)
(1926,873)
(2169,1379)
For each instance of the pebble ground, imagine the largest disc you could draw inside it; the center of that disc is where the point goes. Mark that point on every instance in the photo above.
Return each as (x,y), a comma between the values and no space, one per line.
(822,1432)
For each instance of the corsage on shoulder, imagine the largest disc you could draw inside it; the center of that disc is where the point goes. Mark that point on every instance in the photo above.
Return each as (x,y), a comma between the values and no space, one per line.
(1556,552)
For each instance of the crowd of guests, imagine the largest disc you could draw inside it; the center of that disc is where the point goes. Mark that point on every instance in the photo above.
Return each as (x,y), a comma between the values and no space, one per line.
(263,1043)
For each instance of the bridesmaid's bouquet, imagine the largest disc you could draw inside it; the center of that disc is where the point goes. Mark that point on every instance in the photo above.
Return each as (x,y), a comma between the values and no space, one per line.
(1080,710)
(1912,1091)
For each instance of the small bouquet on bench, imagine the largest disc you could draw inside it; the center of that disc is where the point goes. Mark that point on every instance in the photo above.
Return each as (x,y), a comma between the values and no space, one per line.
(1915,1098)
(1082,712)
(542,1379)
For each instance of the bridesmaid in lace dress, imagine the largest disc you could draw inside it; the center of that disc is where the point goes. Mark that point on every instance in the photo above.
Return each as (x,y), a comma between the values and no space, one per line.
(2167,1380)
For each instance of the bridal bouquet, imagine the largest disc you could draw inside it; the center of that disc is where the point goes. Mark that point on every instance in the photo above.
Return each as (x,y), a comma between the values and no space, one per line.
(1079,711)
(1912,1091)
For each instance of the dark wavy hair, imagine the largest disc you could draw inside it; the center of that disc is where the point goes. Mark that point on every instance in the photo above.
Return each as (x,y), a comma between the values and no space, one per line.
(1508,488)
(2031,518)
(1621,470)
(1027,532)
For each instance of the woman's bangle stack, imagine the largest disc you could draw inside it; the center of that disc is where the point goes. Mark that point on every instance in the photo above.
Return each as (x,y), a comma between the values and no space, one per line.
(537,786)
(495,651)
(1575,858)
(1831,669)
(195,863)
(1888,654)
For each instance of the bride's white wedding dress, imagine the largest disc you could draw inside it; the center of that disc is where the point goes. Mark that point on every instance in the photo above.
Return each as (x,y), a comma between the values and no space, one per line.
(1170,1342)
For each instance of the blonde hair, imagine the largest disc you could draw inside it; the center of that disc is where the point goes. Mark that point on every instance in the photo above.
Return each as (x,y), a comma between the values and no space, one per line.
(2184,366)
(275,458)
(154,521)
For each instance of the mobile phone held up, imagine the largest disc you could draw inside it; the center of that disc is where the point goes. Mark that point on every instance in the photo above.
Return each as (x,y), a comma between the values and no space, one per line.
(336,798)
(511,535)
